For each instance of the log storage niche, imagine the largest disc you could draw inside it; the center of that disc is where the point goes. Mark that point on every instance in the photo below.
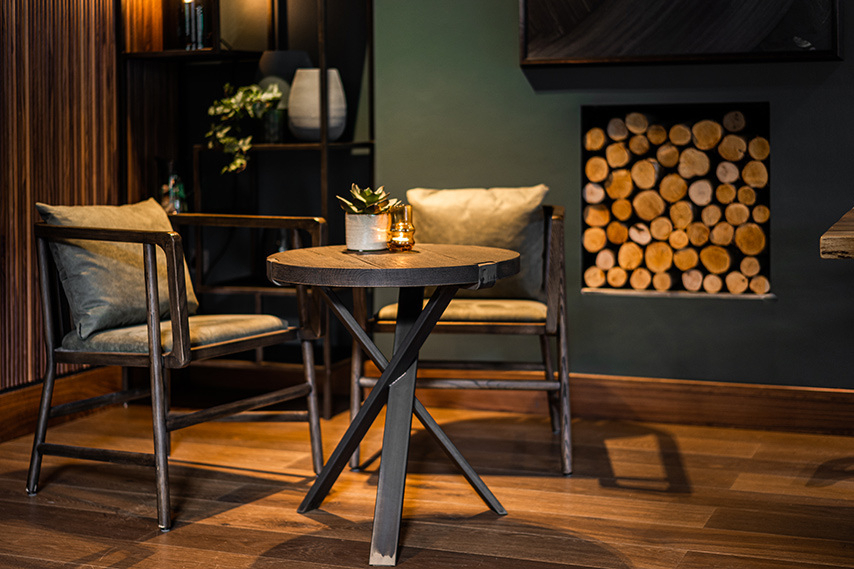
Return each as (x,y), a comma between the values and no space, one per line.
(676,199)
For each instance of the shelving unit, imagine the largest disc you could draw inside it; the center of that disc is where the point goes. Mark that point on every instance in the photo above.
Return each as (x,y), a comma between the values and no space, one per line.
(164,96)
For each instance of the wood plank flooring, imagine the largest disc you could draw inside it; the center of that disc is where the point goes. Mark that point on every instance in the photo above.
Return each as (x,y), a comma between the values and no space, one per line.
(642,496)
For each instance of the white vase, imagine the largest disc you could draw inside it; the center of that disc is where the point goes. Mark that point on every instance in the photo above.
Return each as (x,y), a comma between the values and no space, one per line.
(366,232)
(304,105)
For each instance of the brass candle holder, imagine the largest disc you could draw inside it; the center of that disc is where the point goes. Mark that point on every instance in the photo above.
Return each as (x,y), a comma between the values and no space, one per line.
(401,236)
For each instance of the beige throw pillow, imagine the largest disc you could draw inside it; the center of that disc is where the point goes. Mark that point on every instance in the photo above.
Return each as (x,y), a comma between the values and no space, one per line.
(509,218)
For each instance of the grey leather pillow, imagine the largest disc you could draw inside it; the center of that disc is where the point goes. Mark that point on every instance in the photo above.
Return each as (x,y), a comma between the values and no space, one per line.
(509,218)
(104,281)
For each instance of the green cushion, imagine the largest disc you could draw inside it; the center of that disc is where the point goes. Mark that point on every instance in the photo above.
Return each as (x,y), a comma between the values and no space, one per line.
(483,310)
(509,218)
(104,281)
(204,330)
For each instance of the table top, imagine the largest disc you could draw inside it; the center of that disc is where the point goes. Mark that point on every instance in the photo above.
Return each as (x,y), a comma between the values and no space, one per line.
(426,265)
(838,241)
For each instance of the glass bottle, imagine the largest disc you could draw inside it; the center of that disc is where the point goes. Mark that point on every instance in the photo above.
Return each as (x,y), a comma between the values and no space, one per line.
(173,199)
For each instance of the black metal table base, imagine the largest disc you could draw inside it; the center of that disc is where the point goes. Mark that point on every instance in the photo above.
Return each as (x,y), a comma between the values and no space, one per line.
(396,389)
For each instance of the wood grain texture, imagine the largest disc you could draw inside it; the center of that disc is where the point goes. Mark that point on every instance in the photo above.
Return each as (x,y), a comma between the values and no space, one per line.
(643,495)
(58,123)
(838,241)
(425,265)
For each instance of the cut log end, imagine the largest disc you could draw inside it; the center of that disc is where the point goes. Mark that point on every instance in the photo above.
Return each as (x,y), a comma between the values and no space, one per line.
(680,134)
(648,205)
(619,184)
(636,123)
(715,259)
(617,130)
(692,280)
(658,256)
(760,285)
(630,256)
(594,139)
(706,134)
(596,169)
(640,279)
(734,121)
(594,277)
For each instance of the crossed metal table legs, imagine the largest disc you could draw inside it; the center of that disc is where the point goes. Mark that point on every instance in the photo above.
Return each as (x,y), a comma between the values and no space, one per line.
(396,388)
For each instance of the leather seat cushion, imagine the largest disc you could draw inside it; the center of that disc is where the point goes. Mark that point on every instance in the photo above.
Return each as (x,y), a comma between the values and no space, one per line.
(204,330)
(483,310)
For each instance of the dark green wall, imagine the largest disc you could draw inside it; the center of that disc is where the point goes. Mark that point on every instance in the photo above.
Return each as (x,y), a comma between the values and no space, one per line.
(454,109)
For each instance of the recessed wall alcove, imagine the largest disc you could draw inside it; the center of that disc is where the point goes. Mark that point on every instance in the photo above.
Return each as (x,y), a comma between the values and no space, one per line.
(676,199)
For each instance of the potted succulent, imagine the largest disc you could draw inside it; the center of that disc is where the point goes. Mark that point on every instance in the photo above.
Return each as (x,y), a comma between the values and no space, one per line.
(367,218)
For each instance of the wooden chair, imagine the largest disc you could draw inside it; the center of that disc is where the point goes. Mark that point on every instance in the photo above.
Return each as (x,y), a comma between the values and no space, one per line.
(159,342)
(545,318)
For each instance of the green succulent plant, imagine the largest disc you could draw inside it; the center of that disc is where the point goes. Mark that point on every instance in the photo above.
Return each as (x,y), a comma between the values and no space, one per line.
(368,201)
(249,101)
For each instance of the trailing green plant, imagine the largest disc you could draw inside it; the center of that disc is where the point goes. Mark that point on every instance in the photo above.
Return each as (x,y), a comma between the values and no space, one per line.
(368,202)
(250,101)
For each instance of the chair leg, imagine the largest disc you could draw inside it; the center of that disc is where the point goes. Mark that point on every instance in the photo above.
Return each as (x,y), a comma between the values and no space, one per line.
(553,396)
(356,362)
(327,371)
(41,429)
(161,444)
(565,415)
(167,401)
(313,408)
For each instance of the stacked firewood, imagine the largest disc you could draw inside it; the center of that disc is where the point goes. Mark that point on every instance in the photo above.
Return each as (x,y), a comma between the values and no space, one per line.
(676,207)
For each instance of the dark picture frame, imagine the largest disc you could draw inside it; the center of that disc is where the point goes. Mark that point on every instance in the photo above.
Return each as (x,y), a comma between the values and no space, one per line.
(597,32)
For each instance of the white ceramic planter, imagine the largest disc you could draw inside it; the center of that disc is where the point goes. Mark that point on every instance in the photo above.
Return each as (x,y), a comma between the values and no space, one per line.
(304,105)
(366,232)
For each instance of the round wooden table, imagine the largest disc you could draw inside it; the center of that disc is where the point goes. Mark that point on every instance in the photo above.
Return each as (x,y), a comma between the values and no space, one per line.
(448,268)
(425,265)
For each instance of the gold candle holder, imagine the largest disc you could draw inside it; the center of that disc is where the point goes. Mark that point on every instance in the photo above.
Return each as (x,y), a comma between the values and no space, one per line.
(401,236)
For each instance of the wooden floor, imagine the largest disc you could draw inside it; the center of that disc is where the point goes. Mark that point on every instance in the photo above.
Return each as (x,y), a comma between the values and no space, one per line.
(643,495)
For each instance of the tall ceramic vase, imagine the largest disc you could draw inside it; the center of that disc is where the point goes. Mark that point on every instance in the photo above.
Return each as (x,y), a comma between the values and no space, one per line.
(304,105)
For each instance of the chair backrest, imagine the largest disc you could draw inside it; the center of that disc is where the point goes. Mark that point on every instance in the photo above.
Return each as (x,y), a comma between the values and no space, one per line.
(554,264)
(68,251)
(55,308)
(102,273)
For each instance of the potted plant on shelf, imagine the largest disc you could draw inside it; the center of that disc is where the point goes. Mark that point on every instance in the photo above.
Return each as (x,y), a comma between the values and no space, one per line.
(367,218)
(250,101)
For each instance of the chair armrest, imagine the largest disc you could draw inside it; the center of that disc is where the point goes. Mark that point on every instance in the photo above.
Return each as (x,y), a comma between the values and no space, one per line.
(170,243)
(310,305)
(316,227)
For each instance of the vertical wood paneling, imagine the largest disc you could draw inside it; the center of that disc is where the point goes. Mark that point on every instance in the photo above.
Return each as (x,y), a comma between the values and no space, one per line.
(59,133)
(143,25)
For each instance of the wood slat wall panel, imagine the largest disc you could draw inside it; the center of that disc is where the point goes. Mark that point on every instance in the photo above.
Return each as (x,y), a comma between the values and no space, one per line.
(59,127)
(143,25)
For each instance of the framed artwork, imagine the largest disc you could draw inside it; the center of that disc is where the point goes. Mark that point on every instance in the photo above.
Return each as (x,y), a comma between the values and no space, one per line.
(660,31)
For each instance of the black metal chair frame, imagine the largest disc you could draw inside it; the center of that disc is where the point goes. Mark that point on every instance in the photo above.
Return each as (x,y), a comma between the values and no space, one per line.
(556,385)
(58,323)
